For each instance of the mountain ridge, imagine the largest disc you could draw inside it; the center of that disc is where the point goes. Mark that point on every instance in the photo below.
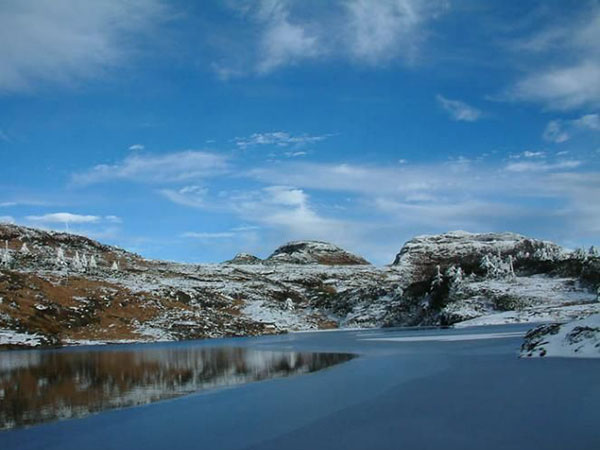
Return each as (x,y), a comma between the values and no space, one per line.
(51,294)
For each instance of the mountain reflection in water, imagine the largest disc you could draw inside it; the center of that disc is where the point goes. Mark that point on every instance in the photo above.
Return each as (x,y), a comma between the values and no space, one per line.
(40,386)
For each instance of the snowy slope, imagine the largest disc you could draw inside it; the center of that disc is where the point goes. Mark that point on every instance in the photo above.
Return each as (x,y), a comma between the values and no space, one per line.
(54,293)
(577,339)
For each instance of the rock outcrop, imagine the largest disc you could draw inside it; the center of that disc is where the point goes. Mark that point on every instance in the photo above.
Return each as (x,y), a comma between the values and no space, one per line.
(420,256)
(40,249)
(314,252)
(243,259)
(577,339)
(460,276)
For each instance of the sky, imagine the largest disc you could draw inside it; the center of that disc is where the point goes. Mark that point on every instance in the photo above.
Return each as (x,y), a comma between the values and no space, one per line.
(191,131)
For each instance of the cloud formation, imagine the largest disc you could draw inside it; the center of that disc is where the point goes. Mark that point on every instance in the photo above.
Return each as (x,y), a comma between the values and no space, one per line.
(459,110)
(381,30)
(65,41)
(370,32)
(64,217)
(559,131)
(277,138)
(283,42)
(193,196)
(570,81)
(152,168)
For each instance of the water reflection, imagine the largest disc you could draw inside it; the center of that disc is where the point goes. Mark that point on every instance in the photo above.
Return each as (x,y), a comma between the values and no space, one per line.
(42,386)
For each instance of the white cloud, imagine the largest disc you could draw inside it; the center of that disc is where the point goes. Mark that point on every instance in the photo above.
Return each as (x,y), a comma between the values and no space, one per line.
(530,154)
(65,41)
(7,204)
(277,138)
(559,131)
(295,154)
(283,42)
(113,219)
(64,217)
(193,196)
(454,214)
(286,209)
(588,121)
(554,132)
(562,88)
(458,110)
(540,166)
(404,179)
(170,167)
(571,81)
(380,30)
(282,210)
(7,219)
(136,147)
(364,31)
(373,209)
(461,190)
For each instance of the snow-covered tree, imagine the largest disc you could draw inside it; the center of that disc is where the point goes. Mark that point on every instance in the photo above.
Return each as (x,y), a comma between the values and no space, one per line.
(60,259)
(450,272)
(454,274)
(593,251)
(92,263)
(487,265)
(24,250)
(438,279)
(289,304)
(6,260)
(580,253)
(511,268)
(84,262)
(115,266)
(76,263)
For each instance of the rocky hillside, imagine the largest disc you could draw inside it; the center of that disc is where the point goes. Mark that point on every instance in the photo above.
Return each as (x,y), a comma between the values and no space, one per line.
(58,288)
(314,252)
(421,255)
(244,259)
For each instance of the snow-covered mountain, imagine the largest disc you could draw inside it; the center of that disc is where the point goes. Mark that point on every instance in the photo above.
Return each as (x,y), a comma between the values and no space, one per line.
(314,252)
(58,288)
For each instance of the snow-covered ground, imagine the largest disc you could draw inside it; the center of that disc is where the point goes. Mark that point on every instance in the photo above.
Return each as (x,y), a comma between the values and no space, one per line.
(537,298)
(11,337)
(577,339)
(148,300)
(536,314)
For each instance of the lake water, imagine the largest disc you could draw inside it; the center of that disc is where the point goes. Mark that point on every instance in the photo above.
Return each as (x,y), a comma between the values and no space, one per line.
(410,389)
(40,386)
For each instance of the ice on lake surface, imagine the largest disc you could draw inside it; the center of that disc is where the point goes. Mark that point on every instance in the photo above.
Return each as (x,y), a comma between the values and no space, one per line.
(40,386)
(451,389)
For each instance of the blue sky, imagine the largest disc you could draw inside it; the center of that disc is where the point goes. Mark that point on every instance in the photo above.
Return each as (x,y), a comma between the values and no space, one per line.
(193,131)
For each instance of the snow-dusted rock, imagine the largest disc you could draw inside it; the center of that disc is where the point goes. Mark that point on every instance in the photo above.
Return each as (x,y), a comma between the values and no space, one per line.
(578,339)
(314,252)
(303,285)
(244,259)
(420,256)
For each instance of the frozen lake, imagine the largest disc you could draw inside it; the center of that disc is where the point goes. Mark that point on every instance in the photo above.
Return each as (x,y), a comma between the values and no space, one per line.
(413,389)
